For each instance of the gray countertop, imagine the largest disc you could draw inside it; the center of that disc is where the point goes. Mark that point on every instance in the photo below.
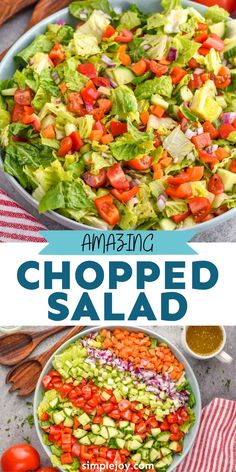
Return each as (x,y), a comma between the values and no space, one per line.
(215,380)
(9,32)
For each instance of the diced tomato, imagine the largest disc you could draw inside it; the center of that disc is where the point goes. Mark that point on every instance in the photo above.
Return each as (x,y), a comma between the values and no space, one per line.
(57,54)
(221,154)
(208,158)
(87,69)
(180,217)
(140,428)
(115,414)
(200,207)
(171,418)
(164,426)
(75,103)
(76,450)
(232,166)
(182,191)
(210,128)
(193,64)
(32,120)
(177,74)
(200,38)
(65,390)
(213,41)
(65,146)
(223,78)
(124,36)
(225,130)
(195,82)
(23,97)
(202,26)
(108,407)
(97,419)
(140,67)
(84,454)
(46,382)
(140,164)
(202,140)
(118,127)
(135,418)
(108,211)
(101,82)
(109,31)
(18,112)
(89,93)
(66,458)
(158,69)
(124,405)
(189,175)
(203,51)
(77,142)
(76,423)
(215,185)
(44,416)
(99,126)
(117,177)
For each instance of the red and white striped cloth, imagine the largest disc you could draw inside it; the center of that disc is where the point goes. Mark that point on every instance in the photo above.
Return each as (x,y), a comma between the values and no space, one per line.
(16,225)
(215,447)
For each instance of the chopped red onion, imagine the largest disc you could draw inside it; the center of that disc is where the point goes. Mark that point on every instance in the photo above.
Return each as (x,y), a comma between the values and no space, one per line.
(89,107)
(113,83)
(198,71)
(60,22)
(172,55)
(228,117)
(161,203)
(199,130)
(212,149)
(190,134)
(142,128)
(56,77)
(107,60)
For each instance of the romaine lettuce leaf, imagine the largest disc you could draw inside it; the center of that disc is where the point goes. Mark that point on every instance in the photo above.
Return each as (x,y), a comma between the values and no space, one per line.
(86,7)
(86,45)
(69,74)
(5,118)
(85,125)
(216,14)
(124,102)
(169,5)
(26,77)
(156,21)
(94,26)
(40,44)
(65,195)
(158,45)
(129,19)
(60,33)
(99,162)
(161,85)
(177,145)
(174,207)
(186,49)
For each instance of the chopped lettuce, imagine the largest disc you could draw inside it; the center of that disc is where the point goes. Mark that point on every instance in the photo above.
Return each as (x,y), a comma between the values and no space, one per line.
(174,20)
(86,44)
(66,195)
(169,5)
(157,45)
(216,14)
(161,85)
(5,118)
(177,145)
(155,21)
(129,19)
(40,44)
(60,33)
(94,26)
(174,207)
(86,7)
(124,102)
(186,49)
(85,126)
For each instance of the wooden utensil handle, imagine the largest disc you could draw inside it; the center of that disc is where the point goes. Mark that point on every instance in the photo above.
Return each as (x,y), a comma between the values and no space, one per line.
(45,8)
(45,333)
(9,8)
(43,358)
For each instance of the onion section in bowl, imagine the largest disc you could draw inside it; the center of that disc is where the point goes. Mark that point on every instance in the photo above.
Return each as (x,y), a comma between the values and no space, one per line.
(116,397)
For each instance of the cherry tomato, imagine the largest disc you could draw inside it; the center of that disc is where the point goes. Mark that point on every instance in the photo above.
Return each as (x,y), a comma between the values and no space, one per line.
(200,207)
(117,177)
(172,418)
(57,54)
(180,217)
(20,458)
(95,180)
(215,185)
(158,69)
(23,97)
(124,36)
(140,164)
(109,212)
(65,146)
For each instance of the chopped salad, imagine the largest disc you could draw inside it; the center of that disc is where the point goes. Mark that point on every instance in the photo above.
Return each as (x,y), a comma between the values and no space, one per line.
(128,120)
(116,397)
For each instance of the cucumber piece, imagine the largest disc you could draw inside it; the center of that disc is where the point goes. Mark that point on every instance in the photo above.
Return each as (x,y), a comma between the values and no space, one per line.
(113,432)
(154,455)
(184,95)
(95,428)
(85,441)
(122,75)
(59,417)
(160,464)
(155,432)
(188,113)
(99,440)
(84,419)
(54,402)
(231,29)
(220,29)
(133,445)
(168,459)
(165,451)
(137,458)
(106,396)
(120,443)
(173,445)
(68,411)
(123,424)
(104,432)
(163,437)
(108,422)
(230,49)
(228,178)
(157,100)
(173,111)
(149,444)
(145,454)
(68,423)
(79,433)
(167,224)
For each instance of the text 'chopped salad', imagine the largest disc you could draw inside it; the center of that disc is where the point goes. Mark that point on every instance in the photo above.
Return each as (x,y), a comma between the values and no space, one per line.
(128,120)
(116,397)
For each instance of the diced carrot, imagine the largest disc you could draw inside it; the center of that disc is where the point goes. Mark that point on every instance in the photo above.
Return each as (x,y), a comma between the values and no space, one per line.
(144,117)
(107,138)
(157,171)
(140,67)
(96,134)
(157,110)
(48,132)
(221,154)
(63,87)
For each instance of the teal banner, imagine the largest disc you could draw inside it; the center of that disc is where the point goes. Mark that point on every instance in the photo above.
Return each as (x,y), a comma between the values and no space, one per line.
(99,243)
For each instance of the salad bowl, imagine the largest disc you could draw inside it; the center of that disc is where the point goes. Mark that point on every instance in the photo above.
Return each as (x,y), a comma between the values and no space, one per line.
(190,437)
(8,67)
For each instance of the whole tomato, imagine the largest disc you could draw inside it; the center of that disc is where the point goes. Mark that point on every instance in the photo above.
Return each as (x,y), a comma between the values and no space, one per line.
(20,458)
(226,4)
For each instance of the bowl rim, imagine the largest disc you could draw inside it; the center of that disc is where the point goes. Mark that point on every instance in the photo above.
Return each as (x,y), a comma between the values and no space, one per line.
(190,373)
(53,215)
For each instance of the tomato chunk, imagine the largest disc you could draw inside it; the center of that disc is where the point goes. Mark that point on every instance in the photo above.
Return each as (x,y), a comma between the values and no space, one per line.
(215,185)
(125,196)
(117,177)
(87,69)
(124,36)
(95,180)
(118,127)
(108,211)
(200,207)
(140,164)
(23,97)
(57,54)
(182,191)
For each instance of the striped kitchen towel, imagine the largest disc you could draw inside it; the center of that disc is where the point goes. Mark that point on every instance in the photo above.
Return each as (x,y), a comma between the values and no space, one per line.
(16,224)
(214,449)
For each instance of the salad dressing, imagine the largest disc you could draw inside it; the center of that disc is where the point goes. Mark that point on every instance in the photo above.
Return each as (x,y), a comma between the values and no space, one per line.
(204,340)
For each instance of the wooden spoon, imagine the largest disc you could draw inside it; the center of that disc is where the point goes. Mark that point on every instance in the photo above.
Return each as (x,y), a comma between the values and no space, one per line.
(15,347)
(24,376)
(43,9)
(9,8)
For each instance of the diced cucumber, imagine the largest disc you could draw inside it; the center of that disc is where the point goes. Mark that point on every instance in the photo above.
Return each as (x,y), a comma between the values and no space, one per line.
(157,100)
(149,444)
(154,455)
(95,428)
(113,432)
(155,432)
(108,421)
(228,178)
(219,29)
(59,417)
(163,437)
(160,464)
(123,75)
(120,443)
(123,424)
(165,451)
(173,111)
(99,440)
(54,402)
(104,432)
(168,459)
(137,458)
(106,396)
(79,433)
(84,419)
(133,445)
(145,454)
(230,48)
(184,95)
(188,113)
(68,423)
(167,224)
(68,411)
(230,29)
(85,440)
(173,445)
